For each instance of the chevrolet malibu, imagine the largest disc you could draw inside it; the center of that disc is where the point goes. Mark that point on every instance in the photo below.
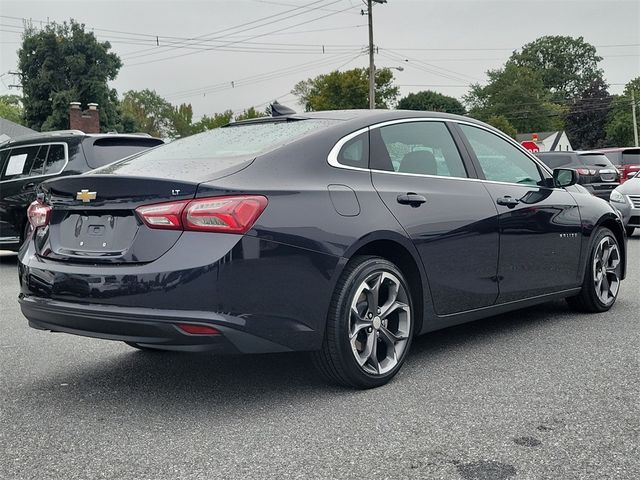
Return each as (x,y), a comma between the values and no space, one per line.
(343,233)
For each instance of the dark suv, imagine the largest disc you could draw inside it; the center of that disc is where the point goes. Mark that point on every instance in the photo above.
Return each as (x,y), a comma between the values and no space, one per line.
(596,172)
(29,160)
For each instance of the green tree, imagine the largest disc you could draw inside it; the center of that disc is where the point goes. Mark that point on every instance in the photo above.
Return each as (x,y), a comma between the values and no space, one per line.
(568,66)
(62,63)
(11,108)
(587,117)
(519,95)
(619,127)
(344,90)
(151,113)
(431,101)
(182,120)
(249,113)
(216,121)
(501,123)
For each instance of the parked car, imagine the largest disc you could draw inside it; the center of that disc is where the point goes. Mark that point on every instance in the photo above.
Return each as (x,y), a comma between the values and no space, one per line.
(596,173)
(343,233)
(626,198)
(29,160)
(626,160)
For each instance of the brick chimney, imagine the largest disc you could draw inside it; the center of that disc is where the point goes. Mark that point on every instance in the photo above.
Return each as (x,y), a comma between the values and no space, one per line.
(87,121)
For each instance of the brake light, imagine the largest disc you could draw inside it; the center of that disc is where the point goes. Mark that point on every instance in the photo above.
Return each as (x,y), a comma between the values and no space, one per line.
(38,214)
(163,215)
(228,214)
(586,171)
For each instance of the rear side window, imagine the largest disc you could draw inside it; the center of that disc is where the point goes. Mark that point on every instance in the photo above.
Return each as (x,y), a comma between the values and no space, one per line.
(419,148)
(108,150)
(500,161)
(56,159)
(355,153)
(19,162)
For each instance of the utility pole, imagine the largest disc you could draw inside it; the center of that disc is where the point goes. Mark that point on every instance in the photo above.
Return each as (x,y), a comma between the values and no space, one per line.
(372,65)
(635,120)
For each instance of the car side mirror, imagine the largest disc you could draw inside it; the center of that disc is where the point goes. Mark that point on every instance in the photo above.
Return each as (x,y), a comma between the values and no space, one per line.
(565,177)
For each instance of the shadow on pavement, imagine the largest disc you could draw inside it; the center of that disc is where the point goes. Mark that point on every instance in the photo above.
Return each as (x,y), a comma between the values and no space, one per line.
(207,383)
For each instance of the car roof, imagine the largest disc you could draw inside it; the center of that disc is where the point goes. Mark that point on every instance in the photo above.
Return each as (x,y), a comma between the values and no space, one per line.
(66,135)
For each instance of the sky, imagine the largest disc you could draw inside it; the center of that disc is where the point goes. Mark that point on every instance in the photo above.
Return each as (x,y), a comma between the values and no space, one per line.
(224,54)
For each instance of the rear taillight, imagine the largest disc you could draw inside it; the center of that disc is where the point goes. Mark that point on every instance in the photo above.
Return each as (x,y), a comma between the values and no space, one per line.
(163,215)
(38,214)
(229,214)
(586,171)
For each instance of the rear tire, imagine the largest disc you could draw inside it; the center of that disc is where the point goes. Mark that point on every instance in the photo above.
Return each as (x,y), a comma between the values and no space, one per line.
(369,326)
(602,276)
(630,230)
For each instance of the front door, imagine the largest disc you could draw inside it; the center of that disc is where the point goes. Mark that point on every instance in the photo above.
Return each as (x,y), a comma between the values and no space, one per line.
(540,226)
(423,180)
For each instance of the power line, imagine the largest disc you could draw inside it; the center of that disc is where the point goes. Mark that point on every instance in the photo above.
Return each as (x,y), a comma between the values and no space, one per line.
(209,36)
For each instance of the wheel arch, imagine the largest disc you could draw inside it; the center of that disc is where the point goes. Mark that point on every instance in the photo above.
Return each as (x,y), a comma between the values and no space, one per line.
(613,223)
(401,251)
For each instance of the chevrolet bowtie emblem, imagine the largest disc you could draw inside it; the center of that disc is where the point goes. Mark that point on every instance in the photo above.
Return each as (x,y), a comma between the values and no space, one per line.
(85,196)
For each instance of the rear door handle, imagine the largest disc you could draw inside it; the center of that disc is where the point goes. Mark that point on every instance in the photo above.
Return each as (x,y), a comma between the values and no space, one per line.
(412,199)
(508,201)
(28,186)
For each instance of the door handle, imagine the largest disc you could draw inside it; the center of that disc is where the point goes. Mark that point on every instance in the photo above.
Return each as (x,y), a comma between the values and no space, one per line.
(412,199)
(28,186)
(508,201)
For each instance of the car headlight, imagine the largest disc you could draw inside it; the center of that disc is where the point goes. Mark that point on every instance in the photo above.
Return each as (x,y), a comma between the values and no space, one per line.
(617,197)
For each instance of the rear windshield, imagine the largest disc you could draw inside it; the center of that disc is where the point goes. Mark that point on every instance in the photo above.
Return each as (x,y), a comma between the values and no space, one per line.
(217,149)
(595,160)
(108,150)
(631,158)
(557,160)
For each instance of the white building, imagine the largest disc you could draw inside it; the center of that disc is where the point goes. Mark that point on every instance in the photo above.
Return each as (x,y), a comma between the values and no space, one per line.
(547,141)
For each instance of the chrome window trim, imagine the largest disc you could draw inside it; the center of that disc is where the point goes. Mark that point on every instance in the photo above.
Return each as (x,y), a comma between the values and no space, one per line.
(66,160)
(332,158)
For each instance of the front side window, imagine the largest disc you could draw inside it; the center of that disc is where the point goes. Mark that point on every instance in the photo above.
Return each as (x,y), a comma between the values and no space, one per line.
(422,148)
(500,161)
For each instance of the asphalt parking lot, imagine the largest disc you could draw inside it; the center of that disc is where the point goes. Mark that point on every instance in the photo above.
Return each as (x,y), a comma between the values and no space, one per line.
(538,394)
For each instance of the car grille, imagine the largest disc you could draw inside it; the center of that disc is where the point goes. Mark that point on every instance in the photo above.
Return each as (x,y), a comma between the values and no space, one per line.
(635,200)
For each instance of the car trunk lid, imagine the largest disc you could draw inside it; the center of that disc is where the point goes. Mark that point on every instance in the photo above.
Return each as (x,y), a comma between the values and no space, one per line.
(93,218)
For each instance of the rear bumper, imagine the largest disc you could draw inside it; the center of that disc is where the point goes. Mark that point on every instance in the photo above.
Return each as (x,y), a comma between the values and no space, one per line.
(263,296)
(601,190)
(144,326)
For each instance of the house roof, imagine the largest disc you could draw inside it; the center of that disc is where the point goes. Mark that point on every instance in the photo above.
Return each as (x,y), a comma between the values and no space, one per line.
(9,129)
(523,137)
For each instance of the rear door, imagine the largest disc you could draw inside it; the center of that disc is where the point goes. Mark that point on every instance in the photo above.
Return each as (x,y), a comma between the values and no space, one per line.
(540,226)
(421,177)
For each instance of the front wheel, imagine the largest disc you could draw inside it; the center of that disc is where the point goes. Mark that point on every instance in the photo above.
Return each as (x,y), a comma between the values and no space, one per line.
(602,278)
(369,326)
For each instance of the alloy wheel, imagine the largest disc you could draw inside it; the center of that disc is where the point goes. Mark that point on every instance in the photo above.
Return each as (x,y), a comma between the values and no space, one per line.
(606,276)
(380,322)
